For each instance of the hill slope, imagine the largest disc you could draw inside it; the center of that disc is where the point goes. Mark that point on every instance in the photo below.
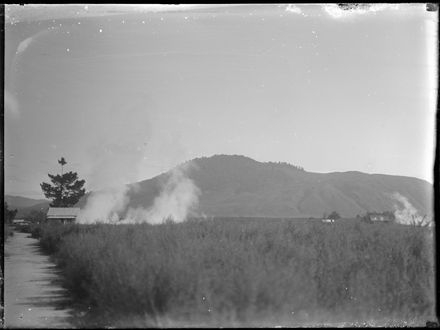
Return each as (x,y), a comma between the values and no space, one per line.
(21,202)
(26,205)
(24,211)
(240,186)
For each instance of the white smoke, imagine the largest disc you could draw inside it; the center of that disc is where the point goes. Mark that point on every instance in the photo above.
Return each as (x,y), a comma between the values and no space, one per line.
(408,215)
(179,196)
(104,206)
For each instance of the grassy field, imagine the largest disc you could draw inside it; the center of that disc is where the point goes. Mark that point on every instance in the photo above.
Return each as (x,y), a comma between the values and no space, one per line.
(232,272)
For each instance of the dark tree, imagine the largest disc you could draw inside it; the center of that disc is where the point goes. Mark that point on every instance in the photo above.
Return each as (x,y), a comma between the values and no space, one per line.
(334,215)
(65,190)
(36,216)
(9,215)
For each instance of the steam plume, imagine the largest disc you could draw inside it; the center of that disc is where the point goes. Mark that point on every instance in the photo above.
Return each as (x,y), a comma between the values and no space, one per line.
(408,215)
(179,196)
(104,206)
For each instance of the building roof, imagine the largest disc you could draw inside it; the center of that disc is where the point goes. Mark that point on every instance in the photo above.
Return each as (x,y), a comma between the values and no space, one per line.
(379,216)
(63,212)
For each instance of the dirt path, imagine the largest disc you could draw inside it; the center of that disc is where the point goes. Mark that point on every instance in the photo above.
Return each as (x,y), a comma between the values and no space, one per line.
(33,299)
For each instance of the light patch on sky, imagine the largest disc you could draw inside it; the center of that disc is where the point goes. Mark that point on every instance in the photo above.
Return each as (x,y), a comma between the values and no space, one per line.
(11,104)
(23,45)
(125,93)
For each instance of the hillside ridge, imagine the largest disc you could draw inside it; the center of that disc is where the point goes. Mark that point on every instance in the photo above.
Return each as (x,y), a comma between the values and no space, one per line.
(236,185)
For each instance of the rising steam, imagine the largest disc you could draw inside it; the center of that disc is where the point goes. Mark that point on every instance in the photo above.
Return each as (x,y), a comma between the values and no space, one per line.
(408,215)
(179,196)
(104,206)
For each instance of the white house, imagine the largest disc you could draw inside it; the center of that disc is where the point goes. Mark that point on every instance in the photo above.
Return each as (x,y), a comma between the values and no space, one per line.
(62,214)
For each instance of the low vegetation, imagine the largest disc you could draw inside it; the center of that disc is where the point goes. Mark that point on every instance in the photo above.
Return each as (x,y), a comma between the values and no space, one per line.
(247,272)
(8,231)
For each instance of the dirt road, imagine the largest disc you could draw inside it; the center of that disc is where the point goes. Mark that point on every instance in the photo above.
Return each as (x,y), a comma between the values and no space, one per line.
(33,299)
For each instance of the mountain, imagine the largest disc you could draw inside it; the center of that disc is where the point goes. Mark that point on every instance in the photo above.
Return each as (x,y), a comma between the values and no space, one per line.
(234,185)
(24,211)
(20,202)
(25,205)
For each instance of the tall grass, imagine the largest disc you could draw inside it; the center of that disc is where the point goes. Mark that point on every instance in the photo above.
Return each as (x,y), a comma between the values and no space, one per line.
(247,272)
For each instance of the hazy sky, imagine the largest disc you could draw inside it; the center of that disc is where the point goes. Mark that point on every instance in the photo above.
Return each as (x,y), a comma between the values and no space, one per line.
(125,93)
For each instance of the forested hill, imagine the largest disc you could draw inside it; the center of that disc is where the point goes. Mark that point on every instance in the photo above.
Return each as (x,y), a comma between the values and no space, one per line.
(240,186)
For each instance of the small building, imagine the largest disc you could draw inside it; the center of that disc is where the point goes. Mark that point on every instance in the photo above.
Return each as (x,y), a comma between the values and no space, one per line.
(19,222)
(62,214)
(378,217)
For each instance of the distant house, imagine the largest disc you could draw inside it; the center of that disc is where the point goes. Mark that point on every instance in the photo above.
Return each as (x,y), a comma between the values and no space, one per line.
(378,217)
(62,214)
(19,222)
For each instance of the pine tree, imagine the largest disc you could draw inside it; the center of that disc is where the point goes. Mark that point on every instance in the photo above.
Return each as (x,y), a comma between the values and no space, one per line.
(334,215)
(65,190)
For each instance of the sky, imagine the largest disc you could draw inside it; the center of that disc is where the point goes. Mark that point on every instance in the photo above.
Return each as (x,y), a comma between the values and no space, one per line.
(125,93)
